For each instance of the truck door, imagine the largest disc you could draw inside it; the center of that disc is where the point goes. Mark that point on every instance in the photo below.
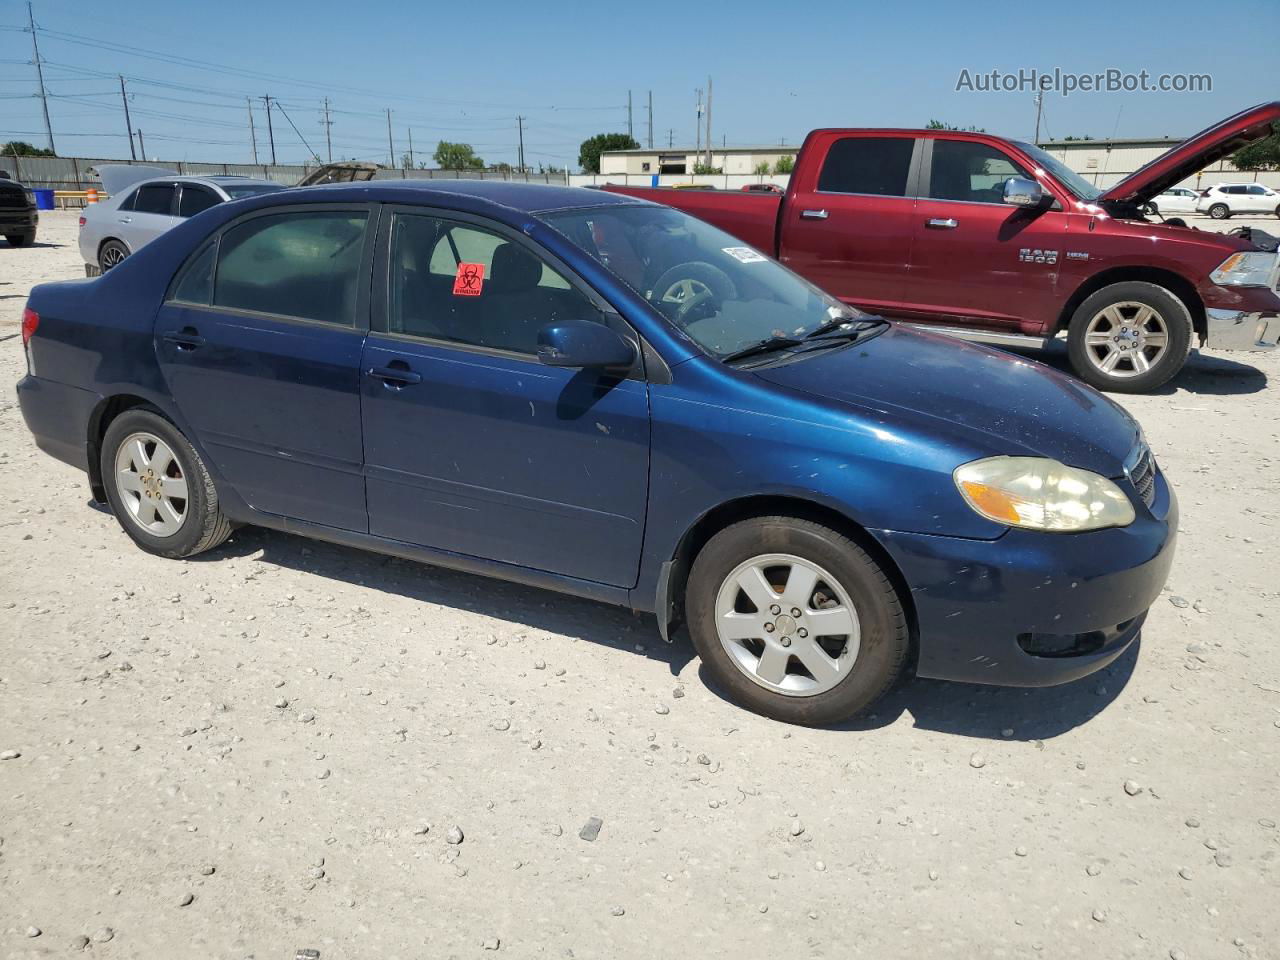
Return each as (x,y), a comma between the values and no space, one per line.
(975,259)
(847,226)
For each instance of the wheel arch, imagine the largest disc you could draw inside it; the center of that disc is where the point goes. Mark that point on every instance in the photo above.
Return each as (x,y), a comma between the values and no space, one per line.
(675,575)
(109,239)
(1175,283)
(99,420)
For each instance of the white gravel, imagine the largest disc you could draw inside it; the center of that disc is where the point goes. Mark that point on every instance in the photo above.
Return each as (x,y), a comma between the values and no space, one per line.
(110,817)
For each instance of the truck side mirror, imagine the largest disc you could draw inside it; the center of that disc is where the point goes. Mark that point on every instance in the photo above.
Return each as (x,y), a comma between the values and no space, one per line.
(1021,192)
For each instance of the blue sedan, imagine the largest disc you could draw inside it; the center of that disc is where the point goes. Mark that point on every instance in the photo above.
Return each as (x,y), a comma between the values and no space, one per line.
(608,398)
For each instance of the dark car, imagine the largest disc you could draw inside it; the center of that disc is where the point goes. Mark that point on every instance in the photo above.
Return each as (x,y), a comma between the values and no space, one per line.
(18,215)
(612,399)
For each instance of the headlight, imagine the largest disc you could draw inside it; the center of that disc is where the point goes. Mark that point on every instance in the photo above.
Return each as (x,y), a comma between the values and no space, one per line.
(1245,270)
(1042,494)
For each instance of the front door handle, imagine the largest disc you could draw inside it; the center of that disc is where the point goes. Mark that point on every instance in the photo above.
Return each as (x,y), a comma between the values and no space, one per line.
(814,214)
(395,376)
(942,223)
(126,219)
(185,339)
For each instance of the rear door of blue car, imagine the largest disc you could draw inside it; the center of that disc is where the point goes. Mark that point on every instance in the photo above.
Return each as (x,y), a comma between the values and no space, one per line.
(473,446)
(259,340)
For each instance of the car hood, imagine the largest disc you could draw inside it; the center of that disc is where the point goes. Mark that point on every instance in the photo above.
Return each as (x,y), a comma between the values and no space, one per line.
(1193,155)
(1022,407)
(117,177)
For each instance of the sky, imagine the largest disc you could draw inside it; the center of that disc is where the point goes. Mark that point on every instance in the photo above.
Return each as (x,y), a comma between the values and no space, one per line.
(466,72)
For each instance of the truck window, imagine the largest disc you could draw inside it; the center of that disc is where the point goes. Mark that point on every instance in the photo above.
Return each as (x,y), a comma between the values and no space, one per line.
(871,165)
(970,172)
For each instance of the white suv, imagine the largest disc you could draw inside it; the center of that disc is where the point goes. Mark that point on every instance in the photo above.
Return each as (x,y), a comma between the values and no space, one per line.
(1227,199)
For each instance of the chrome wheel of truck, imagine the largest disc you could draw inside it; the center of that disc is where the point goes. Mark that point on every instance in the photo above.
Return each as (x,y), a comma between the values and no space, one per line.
(1129,337)
(1126,339)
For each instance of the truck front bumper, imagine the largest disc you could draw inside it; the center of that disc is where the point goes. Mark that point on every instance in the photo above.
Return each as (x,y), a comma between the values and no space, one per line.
(1241,330)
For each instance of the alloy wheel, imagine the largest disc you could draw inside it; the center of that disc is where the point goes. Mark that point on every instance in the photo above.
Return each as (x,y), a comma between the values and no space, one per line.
(1126,339)
(787,624)
(151,484)
(112,256)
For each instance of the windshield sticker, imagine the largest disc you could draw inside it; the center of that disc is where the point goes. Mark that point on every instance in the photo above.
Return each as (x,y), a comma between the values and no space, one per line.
(745,254)
(469,280)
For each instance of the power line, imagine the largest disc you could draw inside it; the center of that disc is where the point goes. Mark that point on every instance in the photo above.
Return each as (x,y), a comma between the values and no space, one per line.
(297,131)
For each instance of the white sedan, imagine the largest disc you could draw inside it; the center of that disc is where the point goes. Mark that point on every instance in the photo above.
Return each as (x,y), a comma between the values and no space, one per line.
(1174,200)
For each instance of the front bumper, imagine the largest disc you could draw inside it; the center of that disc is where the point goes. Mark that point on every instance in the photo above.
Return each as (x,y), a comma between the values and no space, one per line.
(1241,330)
(18,222)
(981,605)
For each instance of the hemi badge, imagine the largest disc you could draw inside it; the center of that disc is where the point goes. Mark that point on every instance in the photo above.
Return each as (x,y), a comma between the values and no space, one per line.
(1077,255)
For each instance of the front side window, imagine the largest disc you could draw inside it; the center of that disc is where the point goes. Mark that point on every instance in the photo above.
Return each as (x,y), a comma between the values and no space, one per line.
(871,165)
(465,284)
(724,295)
(196,199)
(1258,190)
(302,264)
(970,172)
(154,198)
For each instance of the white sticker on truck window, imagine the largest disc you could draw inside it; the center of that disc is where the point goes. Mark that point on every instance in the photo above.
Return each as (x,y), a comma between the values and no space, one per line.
(745,254)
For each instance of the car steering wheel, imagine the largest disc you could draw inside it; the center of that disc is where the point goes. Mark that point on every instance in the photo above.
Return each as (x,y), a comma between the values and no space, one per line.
(687,286)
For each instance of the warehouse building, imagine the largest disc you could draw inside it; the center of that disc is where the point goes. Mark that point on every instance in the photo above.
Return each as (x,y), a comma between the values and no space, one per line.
(682,160)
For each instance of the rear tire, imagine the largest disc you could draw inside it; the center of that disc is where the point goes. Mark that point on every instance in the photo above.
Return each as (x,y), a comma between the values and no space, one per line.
(158,487)
(20,239)
(786,669)
(111,254)
(1130,337)
(1219,211)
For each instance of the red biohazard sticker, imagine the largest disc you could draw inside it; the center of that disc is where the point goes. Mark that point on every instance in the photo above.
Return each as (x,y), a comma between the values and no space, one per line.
(469,280)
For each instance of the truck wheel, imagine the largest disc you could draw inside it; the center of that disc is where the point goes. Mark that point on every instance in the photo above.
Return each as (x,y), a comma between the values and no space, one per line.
(111,254)
(20,239)
(1219,211)
(158,487)
(795,621)
(1129,337)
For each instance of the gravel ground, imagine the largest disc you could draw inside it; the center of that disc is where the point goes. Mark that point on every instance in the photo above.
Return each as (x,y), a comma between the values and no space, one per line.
(285,744)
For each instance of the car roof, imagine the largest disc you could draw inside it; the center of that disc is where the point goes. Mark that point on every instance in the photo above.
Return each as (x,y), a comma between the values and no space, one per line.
(512,195)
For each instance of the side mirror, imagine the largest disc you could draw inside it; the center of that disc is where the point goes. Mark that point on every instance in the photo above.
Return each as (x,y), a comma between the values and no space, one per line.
(1021,192)
(583,343)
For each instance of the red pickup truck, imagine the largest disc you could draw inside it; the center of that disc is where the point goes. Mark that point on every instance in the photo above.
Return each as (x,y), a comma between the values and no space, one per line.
(997,240)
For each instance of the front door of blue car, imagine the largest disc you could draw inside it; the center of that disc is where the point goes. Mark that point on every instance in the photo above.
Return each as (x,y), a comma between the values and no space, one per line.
(473,446)
(259,340)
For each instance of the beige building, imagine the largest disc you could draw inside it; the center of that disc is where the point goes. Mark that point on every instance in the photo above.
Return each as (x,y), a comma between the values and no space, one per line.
(682,160)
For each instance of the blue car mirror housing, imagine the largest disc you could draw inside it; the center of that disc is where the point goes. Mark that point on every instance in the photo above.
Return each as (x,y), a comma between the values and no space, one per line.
(583,343)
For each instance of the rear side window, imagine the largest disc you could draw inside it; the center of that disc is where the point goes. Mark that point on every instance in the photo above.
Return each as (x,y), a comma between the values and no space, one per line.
(154,198)
(970,172)
(301,264)
(872,165)
(195,199)
(195,283)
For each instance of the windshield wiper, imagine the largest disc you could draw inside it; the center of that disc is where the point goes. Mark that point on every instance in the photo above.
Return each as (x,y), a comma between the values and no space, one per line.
(771,345)
(828,330)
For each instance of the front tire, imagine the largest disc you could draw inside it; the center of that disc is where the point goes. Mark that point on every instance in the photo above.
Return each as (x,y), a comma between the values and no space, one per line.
(1130,337)
(158,487)
(1219,211)
(795,621)
(21,239)
(111,254)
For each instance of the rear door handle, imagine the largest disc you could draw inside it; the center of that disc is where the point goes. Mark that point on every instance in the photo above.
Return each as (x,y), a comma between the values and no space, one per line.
(814,214)
(395,375)
(185,339)
(942,223)
(126,219)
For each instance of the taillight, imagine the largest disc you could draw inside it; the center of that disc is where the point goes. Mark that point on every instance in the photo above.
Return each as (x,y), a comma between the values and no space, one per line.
(82,221)
(30,320)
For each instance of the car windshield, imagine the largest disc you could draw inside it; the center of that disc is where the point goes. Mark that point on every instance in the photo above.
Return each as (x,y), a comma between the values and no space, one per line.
(237,190)
(723,294)
(1077,184)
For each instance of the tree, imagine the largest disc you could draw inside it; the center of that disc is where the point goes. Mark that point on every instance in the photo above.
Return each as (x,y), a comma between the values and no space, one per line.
(785,164)
(20,148)
(590,150)
(940,125)
(1262,155)
(762,167)
(706,168)
(457,156)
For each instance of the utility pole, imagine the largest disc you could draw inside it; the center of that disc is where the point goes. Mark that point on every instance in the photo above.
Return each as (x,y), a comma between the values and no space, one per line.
(630,130)
(520,124)
(650,143)
(127,125)
(391,150)
(328,140)
(253,136)
(671,138)
(142,146)
(44,97)
(1035,141)
(271,133)
(708,121)
(411,164)
(697,145)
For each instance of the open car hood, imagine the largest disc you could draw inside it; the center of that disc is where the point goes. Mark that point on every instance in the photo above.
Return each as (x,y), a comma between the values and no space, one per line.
(1193,155)
(118,177)
(344,171)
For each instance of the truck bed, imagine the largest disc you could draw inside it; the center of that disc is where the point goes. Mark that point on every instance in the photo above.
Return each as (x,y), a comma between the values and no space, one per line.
(752,217)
